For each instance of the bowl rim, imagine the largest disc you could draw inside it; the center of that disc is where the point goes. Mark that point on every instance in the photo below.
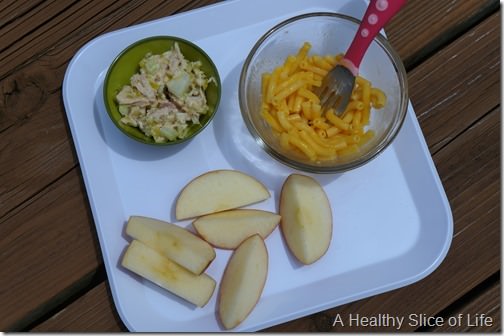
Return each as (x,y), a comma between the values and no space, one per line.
(168,38)
(361,160)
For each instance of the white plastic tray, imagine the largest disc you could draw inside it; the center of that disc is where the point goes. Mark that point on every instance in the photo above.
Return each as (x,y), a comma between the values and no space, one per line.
(392,221)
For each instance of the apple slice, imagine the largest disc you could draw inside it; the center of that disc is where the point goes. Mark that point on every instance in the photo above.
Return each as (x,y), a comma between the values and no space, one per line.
(172,241)
(228,229)
(306,222)
(243,281)
(218,190)
(153,266)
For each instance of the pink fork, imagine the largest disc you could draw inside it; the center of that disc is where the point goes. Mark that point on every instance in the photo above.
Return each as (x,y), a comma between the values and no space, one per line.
(338,84)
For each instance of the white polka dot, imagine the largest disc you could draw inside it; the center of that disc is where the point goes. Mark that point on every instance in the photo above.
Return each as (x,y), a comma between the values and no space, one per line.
(364,32)
(372,19)
(381,5)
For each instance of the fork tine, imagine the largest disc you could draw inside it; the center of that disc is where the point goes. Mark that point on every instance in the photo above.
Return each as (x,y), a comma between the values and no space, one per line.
(323,91)
(336,89)
(341,107)
(333,101)
(324,99)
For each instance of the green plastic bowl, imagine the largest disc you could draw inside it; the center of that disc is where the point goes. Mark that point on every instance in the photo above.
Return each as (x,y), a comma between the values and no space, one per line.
(126,65)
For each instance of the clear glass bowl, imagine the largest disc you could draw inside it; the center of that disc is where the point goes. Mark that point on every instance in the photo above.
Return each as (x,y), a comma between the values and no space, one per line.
(328,33)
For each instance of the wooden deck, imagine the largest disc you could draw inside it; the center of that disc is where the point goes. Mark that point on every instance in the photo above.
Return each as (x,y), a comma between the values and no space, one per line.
(53,277)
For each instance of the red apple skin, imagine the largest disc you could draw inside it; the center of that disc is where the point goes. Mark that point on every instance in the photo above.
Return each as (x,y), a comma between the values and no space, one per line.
(182,216)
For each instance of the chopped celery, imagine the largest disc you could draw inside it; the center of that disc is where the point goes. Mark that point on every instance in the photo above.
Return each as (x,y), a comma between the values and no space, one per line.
(180,84)
(168,133)
(151,65)
(124,109)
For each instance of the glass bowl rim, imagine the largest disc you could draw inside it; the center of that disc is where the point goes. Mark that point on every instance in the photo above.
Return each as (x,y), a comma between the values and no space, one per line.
(394,58)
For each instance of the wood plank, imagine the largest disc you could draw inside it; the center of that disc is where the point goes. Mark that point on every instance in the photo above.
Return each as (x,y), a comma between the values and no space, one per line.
(459,83)
(32,23)
(31,111)
(49,249)
(473,245)
(93,312)
(24,41)
(482,314)
(39,147)
(38,31)
(479,147)
(53,63)
(10,10)
(422,28)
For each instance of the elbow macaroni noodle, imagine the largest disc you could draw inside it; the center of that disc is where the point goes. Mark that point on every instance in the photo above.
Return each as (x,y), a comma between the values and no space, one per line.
(292,109)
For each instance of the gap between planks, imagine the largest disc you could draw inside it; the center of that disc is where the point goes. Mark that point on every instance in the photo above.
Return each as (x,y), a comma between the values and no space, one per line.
(415,65)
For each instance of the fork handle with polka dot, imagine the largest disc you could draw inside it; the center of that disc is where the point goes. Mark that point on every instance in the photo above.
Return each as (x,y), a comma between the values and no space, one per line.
(378,14)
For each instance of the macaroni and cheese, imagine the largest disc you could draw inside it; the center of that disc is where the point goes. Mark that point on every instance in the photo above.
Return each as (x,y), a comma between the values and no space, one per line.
(292,109)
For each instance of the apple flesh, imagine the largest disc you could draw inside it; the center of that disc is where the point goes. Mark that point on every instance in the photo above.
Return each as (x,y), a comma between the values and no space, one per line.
(172,241)
(306,222)
(228,229)
(217,191)
(243,281)
(153,266)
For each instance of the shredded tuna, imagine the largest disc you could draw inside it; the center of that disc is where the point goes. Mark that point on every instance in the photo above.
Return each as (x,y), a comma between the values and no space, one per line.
(166,96)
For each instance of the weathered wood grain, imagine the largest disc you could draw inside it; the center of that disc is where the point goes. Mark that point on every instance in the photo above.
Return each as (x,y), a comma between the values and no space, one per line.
(422,27)
(48,248)
(482,314)
(460,82)
(93,312)
(11,10)
(468,165)
(25,29)
(40,180)
(38,31)
(37,149)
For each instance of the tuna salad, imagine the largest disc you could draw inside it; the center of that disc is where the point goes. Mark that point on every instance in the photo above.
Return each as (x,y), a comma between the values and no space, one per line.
(165,97)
